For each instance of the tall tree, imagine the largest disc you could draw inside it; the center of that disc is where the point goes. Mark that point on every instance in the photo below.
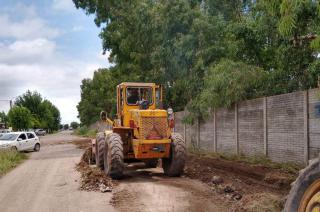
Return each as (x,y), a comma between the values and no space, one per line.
(20,118)
(44,113)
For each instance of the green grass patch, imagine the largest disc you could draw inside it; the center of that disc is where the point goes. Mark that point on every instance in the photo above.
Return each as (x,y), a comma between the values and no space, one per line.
(10,159)
(262,160)
(84,131)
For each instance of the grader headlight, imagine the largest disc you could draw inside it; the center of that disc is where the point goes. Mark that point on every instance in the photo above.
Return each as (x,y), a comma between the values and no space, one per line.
(170,117)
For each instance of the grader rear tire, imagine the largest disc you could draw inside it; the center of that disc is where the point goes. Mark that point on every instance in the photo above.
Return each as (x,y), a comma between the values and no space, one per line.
(100,146)
(113,156)
(174,165)
(305,192)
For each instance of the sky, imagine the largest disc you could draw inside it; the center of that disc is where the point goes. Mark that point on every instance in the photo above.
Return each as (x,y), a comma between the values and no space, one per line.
(47,46)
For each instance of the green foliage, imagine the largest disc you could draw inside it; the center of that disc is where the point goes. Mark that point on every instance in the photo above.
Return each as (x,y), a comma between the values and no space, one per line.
(66,126)
(44,113)
(4,118)
(20,118)
(74,125)
(86,132)
(98,94)
(10,159)
(229,82)
(204,53)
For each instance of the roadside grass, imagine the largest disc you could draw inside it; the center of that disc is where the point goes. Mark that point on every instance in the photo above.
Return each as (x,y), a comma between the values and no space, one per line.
(10,159)
(262,160)
(84,131)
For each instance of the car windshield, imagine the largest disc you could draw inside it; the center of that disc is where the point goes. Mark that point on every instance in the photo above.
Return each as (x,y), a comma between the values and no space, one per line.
(139,94)
(8,136)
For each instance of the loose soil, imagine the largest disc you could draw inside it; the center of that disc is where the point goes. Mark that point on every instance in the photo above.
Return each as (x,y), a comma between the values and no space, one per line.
(240,186)
(93,178)
(247,186)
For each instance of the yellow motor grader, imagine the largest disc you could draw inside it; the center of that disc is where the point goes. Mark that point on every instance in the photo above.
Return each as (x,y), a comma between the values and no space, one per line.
(142,131)
(305,192)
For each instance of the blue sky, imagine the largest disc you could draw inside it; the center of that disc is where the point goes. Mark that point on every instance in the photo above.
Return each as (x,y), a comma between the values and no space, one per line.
(48,46)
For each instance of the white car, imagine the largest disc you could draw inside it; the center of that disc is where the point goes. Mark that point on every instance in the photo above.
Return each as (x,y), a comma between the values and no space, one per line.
(20,141)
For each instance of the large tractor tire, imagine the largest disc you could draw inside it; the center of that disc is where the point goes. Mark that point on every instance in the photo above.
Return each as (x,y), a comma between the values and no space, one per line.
(305,192)
(152,163)
(100,146)
(113,156)
(174,165)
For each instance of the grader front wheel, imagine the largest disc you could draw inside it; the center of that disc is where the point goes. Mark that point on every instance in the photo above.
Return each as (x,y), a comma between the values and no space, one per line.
(174,165)
(100,145)
(113,156)
(305,192)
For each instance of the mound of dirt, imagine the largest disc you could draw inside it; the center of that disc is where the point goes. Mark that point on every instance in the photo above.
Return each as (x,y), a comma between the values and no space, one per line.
(204,168)
(82,143)
(92,178)
(246,187)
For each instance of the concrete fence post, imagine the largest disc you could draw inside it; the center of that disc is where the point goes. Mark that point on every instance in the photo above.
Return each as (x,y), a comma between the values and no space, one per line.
(198,133)
(236,128)
(306,126)
(184,128)
(214,130)
(265,127)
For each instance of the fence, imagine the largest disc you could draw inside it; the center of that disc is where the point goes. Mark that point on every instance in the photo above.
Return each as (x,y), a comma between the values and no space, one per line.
(285,128)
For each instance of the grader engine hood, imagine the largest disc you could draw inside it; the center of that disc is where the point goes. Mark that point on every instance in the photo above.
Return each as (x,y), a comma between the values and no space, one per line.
(151,133)
(150,124)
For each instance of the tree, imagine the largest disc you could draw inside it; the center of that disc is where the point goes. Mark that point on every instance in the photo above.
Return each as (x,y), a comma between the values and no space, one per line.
(74,125)
(182,44)
(66,126)
(20,118)
(44,113)
(4,118)
(97,94)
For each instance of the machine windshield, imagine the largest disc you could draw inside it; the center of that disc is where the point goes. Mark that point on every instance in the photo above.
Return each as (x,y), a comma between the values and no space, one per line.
(136,95)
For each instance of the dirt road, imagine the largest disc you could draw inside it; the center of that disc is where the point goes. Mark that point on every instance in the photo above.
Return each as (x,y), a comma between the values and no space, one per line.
(149,190)
(48,181)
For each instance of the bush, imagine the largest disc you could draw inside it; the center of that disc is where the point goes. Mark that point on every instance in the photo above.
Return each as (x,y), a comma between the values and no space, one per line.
(85,132)
(10,159)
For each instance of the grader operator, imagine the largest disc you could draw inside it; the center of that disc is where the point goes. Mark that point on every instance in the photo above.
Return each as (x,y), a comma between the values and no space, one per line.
(142,131)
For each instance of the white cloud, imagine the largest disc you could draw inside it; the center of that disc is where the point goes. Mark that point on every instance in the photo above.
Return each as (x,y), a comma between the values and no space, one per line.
(60,83)
(31,59)
(31,51)
(31,27)
(77,28)
(64,5)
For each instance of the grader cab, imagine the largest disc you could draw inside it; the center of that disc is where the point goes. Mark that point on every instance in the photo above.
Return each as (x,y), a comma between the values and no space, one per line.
(142,131)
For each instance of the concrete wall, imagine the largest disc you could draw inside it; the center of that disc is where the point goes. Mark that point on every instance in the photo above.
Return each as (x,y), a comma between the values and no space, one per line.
(286,128)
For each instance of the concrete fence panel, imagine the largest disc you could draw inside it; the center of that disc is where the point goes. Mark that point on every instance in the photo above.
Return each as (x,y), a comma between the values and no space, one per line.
(285,128)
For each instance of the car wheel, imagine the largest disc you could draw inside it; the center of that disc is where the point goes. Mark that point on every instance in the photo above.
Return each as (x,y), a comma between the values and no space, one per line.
(37,148)
(14,148)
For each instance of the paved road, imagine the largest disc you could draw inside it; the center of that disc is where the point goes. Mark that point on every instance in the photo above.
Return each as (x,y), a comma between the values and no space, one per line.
(48,181)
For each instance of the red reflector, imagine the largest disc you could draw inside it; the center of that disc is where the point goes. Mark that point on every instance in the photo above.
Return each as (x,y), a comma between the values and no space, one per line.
(131,124)
(171,124)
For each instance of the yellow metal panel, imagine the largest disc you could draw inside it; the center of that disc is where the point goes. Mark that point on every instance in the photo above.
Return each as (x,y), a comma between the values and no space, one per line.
(143,148)
(162,141)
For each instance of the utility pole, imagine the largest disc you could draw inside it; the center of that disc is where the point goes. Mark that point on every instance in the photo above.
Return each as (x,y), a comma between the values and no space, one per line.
(8,100)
